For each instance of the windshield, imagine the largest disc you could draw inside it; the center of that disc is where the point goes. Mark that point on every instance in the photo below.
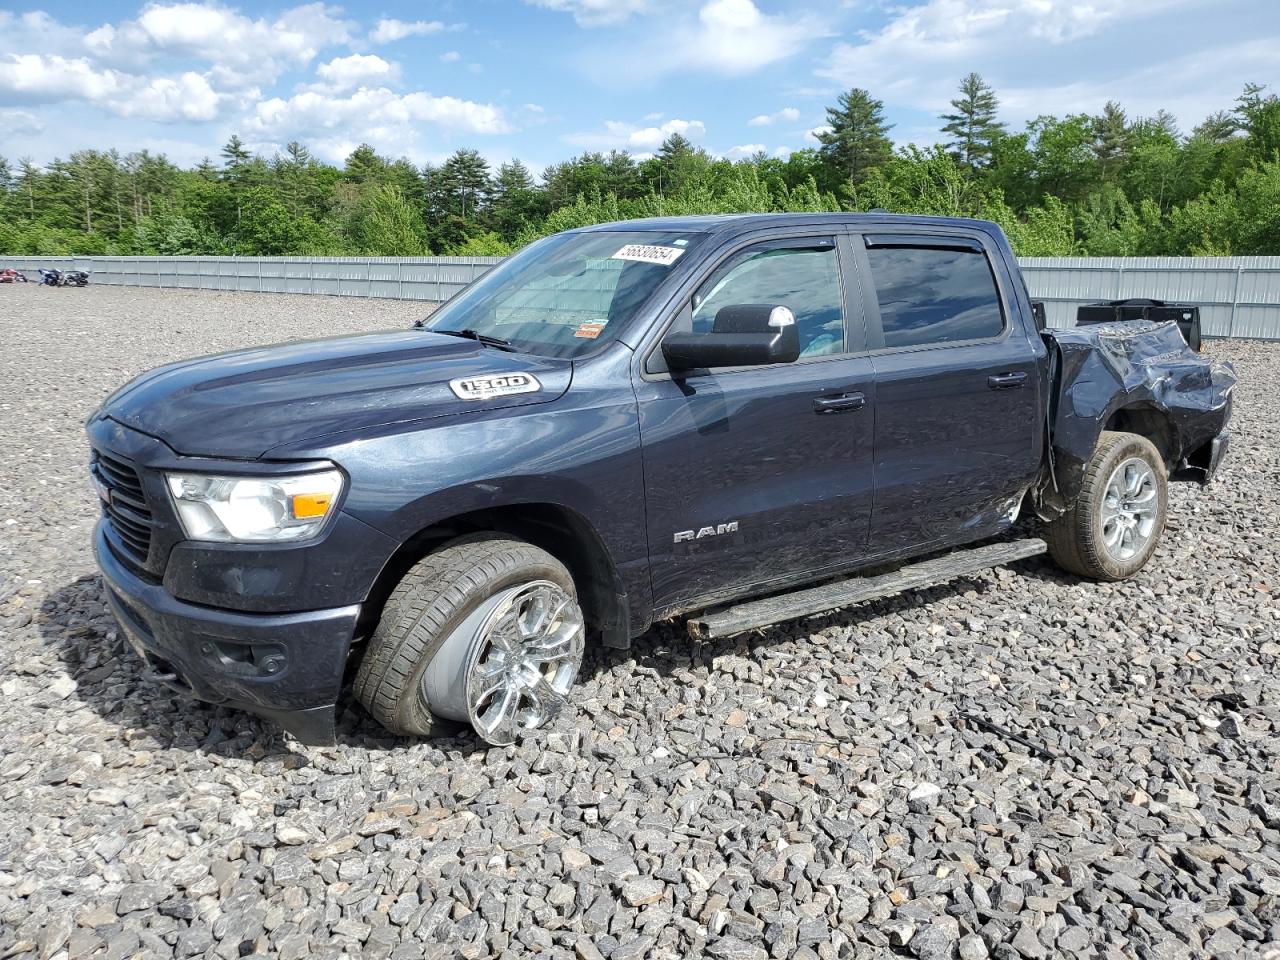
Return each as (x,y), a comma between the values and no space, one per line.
(568,294)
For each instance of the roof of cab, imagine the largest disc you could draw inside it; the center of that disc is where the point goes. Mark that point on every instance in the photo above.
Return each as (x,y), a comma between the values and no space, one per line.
(715,223)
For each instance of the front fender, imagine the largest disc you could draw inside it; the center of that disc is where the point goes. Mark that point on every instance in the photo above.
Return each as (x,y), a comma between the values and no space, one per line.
(580,452)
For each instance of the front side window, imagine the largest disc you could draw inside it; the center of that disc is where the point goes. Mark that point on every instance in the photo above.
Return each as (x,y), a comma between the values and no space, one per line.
(805,279)
(933,295)
(568,294)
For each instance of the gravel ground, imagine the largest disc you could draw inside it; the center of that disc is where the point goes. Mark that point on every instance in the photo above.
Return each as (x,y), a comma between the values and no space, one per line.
(1018,765)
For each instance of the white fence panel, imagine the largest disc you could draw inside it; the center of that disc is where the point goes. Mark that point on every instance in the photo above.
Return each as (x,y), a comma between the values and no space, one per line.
(1238,296)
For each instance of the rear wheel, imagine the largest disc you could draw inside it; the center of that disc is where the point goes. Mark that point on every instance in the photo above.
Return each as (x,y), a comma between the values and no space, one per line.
(487,632)
(1112,528)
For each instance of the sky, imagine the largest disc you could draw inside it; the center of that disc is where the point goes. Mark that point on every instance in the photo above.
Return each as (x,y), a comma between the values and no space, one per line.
(543,80)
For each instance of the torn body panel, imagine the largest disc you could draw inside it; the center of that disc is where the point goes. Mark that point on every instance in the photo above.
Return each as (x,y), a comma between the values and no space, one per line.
(1136,376)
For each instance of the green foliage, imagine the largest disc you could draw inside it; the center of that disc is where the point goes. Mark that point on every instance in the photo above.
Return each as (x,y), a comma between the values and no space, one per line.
(1105,186)
(385,225)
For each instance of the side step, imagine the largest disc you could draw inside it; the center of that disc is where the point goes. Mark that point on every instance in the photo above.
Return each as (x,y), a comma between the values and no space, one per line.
(727,621)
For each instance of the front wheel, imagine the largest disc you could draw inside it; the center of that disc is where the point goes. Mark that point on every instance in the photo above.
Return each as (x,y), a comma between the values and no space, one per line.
(1111,529)
(487,632)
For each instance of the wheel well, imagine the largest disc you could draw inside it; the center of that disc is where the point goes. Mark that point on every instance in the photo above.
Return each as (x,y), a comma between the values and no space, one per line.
(561,532)
(1150,423)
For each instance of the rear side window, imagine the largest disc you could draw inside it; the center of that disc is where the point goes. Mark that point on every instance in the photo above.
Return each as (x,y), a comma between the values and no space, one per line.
(934,295)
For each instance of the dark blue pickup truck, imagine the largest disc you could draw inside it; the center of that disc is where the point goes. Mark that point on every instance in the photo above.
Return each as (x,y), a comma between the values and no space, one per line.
(744,418)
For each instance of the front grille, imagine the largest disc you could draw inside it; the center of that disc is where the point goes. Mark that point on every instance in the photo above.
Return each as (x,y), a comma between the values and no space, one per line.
(126,506)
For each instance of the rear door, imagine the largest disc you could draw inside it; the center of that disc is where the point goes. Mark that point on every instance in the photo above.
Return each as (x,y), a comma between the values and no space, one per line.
(756,476)
(957,434)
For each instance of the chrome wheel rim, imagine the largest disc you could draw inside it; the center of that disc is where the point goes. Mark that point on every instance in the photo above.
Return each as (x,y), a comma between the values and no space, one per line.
(1130,509)
(507,668)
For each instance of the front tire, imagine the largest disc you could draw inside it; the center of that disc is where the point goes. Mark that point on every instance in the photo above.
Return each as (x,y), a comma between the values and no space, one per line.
(482,631)
(1111,529)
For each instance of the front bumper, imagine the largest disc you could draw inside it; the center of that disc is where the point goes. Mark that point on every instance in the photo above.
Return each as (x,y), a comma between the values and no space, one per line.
(286,667)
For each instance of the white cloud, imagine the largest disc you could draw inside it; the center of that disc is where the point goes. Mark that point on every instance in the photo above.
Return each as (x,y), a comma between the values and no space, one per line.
(343,73)
(746,150)
(785,115)
(817,132)
(618,135)
(52,78)
(188,97)
(917,57)
(597,13)
(1074,56)
(730,37)
(36,77)
(450,56)
(382,117)
(22,121)
(735,37)
(391,30)
(230,48)
(1206,81)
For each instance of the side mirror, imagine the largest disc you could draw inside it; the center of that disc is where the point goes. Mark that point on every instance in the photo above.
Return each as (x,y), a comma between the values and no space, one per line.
(746,334)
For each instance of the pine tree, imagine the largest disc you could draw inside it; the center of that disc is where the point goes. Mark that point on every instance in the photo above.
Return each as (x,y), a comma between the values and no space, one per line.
(465,178)
(973,125)
(858,140)
(517,202)
(234,153)
(512,175)
(364,165)
(621,175)
(1110,136)
(677,165)
(28,178)
(1217,127)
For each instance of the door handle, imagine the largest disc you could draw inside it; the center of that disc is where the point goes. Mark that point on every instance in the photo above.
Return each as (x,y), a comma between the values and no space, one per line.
(1007,381)
(839,403)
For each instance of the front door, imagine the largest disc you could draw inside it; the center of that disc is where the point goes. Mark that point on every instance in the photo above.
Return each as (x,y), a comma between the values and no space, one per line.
(756,476)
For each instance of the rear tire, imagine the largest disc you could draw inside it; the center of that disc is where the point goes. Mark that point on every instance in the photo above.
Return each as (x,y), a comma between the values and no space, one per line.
(1112,527)
(440,628)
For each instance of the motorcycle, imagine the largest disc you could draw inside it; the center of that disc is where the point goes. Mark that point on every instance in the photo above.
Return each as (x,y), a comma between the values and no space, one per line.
(10,275)
(64,278)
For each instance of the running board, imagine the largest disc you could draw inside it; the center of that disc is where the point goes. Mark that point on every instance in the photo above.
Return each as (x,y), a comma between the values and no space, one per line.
(727,621)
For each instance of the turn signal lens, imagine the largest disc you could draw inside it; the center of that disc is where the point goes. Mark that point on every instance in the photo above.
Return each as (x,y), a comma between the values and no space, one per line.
(309,506)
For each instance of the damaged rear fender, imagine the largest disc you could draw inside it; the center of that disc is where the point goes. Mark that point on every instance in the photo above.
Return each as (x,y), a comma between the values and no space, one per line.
(1137,377)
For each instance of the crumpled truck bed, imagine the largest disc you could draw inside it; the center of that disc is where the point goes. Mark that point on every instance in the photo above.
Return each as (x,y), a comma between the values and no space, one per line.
(1130,369)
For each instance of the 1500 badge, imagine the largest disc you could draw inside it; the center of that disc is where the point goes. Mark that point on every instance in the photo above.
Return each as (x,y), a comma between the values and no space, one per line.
(503,385)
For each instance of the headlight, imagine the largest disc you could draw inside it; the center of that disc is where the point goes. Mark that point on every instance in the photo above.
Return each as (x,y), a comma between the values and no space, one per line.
(254,509)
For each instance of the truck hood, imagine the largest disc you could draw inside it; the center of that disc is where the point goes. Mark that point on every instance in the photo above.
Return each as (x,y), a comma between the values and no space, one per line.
(240,405)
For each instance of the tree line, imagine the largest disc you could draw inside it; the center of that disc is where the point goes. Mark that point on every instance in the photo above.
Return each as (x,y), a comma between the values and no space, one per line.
(1106,185)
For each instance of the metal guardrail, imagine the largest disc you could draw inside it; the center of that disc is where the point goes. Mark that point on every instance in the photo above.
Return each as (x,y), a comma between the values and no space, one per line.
(1238,296)
(399,278)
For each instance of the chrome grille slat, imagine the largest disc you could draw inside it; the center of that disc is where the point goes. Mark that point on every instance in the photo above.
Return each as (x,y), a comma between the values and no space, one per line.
(127,512)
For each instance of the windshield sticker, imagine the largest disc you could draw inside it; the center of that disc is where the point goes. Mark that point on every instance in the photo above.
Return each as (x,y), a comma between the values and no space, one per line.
(648,253)
(590,329)
(485,388)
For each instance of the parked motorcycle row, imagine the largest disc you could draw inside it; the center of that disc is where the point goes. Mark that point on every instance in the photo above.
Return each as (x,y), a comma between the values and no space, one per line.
(48,278)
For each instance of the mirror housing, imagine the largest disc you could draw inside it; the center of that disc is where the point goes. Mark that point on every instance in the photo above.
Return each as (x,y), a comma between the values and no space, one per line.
(747,334)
